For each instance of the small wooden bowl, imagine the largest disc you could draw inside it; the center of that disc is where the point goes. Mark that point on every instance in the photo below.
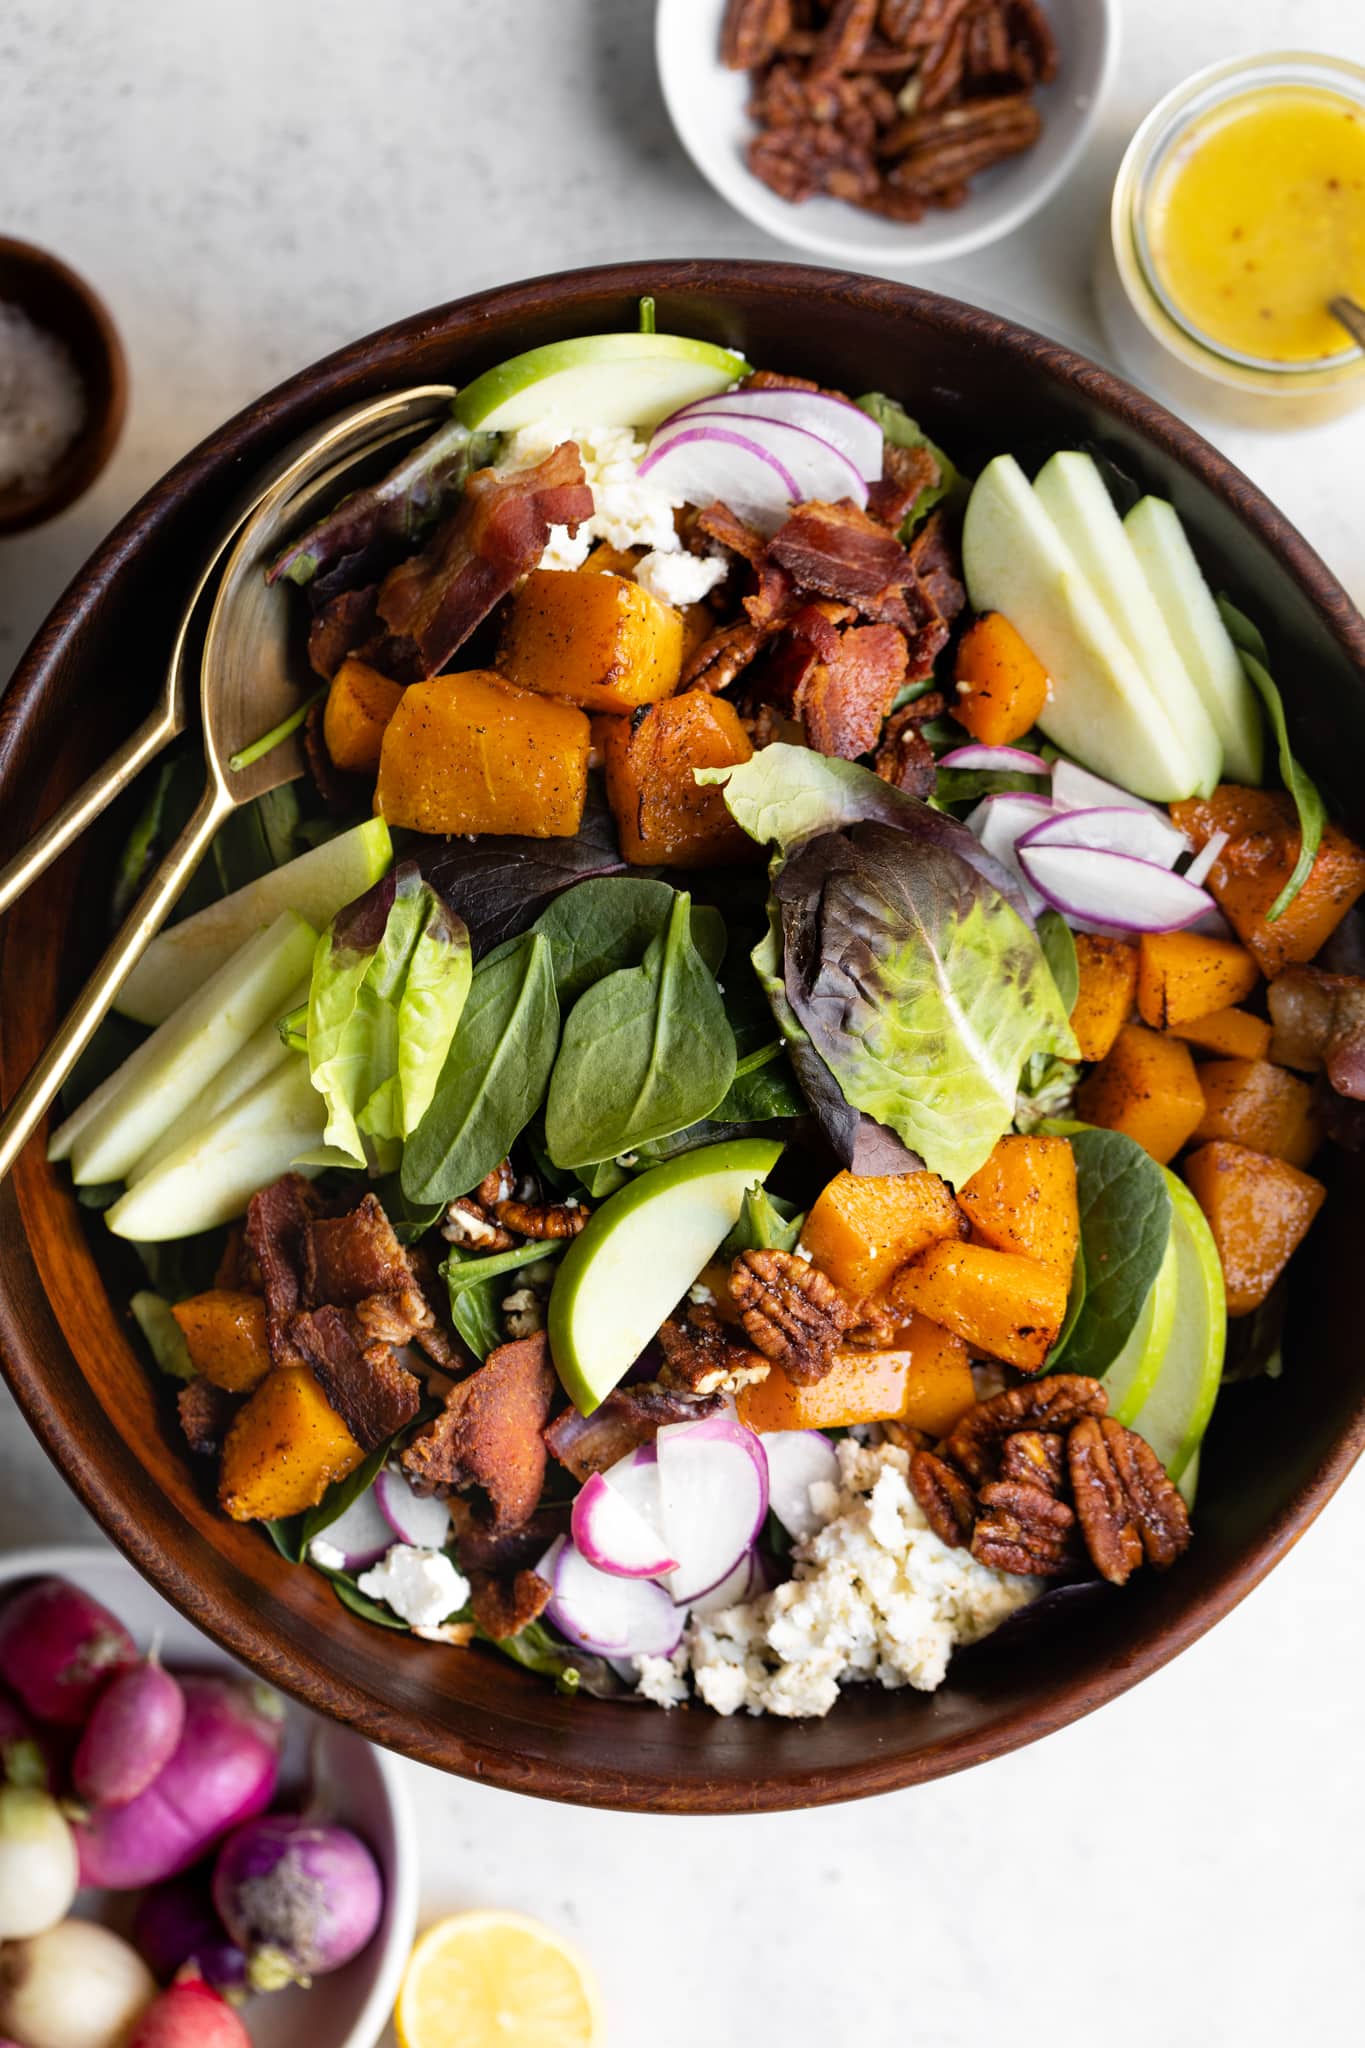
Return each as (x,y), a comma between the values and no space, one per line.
(63,305)
(1278,1449)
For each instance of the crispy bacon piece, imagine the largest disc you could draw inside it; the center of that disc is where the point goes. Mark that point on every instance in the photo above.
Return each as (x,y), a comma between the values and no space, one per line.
(935,563)
(372,1393)
(347,1257)
(905,759)
(837,550)
(844,701)
(205,1412)
(498,532)
(489,1435)
(720,524)
(504,1606)
(276,1219)
(906,472)
(344,623)
(482,1549)
(631,1416)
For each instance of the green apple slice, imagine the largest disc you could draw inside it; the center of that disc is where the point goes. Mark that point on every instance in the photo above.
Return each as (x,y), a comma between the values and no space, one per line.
(316,885)
(1131,1377)
(1102,709)
(599,380)
(637,1257)
(263,1052)
(1176,1409)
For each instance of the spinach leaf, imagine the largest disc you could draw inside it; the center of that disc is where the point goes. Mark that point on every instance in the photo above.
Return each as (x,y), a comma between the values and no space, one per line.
(500,884)
(1059,950)
(285,1535)
(764,1224)
(474,1312)
(968,785)
(164,1336)
(410,1220)
(647,1051)
(475,1294)
(763,1090)
(1125,1209)
(342,1494)
(179,1266)
(1296,779)
(604,1178)
(495,1074)
(903,432)
(541,1649)
(600,926)
(919,986)
(349,1594)
(1075,1302)
(396,508)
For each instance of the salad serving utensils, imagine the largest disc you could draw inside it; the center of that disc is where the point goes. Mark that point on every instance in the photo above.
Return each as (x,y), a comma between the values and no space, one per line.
(248,683)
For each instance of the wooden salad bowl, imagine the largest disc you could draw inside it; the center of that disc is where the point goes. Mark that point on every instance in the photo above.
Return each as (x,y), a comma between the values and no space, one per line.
(1278,1448)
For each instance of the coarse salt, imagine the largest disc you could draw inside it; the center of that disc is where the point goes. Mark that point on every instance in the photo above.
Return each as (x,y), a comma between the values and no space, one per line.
(42,401)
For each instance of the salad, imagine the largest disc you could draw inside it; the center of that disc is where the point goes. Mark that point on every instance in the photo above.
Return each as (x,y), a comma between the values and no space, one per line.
(733,1135)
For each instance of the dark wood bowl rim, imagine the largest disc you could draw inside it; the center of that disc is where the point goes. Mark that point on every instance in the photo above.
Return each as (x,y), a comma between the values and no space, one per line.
(307,1679)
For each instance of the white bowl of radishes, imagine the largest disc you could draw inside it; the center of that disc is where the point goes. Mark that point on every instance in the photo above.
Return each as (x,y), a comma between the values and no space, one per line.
(196,1799)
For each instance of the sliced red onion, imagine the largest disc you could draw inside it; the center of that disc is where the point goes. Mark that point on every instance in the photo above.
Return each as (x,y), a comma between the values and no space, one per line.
(1000,822)
(713,1479)
(606,1614)
(1198,869)
(362,1534)
(1077,789)
(837,420)
(797,1460)
(1111,828)
(1114,890)
(1004,760)
(423,1522)
(820,468)
(614,1536)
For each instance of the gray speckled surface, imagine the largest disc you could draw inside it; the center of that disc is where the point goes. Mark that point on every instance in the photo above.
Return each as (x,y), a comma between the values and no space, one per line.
(251,184)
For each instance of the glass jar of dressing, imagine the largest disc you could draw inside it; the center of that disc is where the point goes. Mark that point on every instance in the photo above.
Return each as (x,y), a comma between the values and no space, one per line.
(1238,213)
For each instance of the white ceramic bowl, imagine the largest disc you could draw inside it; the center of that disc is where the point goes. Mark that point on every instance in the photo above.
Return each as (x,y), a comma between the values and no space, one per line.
(707,105)
(364,1789)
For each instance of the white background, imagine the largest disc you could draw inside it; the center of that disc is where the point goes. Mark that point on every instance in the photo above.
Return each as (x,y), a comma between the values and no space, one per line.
(250,184)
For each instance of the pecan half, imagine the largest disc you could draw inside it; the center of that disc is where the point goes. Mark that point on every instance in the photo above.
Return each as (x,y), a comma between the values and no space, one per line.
(1035,1457)
(467,1224)
(543,1220)
(792,1313)
(702,1356)
(1022,1528)
(1127,1506)
(945,1498)
(1049,1404)
(753,31)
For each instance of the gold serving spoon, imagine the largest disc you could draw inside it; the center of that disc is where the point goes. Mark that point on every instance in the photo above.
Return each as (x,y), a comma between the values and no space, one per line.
(248,685)
(1351,315)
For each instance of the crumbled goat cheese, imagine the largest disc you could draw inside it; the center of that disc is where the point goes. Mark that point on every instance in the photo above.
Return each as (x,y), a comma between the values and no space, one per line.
(326,1556)
(876,1596)
(701,1294)
(421,1586)
(663,1679)
(679,578)
(628,511)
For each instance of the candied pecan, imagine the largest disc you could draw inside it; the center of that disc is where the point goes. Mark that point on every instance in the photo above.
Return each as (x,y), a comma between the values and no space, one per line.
(904,757)
(715,664)
(945,1497)
(1035,1457)
(937,149)
(875,1329)
(1033,42)
(1127,1505)
(543,1219)
(843,39)
(504,1606)
(941,73)
(205,1412)
(394,1318)
(989,50)
(468,1225)
(702,1356)
(1022,1528)
(1049,1404)
(792,1313)
(499,1184)
(753,31)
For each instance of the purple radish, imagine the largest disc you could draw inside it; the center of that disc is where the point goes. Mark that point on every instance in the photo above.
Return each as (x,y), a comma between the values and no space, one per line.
(713,1480)
(421,1521)
(59,1648)
(702,463)
(223,1771)
(1001,760)
(299,1897)
(614,1536)
(821,469)
(606,1614)
(1114,890)
(134,1728)
(176,1924)
(797,1460)
(362,1534)
(190,2014)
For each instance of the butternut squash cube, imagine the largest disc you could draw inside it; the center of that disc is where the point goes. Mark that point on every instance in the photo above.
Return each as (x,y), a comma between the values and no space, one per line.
(1146,1086)
(606,560)
(1104,1000)
(923,1380)
(599,640)
(468,753)
(284,1449)
(1001,1305)
(1237,1033)
(360,703)
(1182,975)
(1262,1106)
(863,1227)
(1259,1211)
(1251,870)
(1002,686)
(663,818)
(1024,1200)
(224,1332)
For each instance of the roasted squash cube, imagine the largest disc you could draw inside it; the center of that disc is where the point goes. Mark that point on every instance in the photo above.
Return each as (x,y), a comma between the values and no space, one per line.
(599,640)
(606,560)
(1146,1086)
(1104,1000)
(1260,1105)
(224,1332)
(1249,873)
(1237,1033)
(662,816)
(1259,1211)
(360,703)
(923,1378)
(863,1227)
(1001,684)
(468,753)
(284,1449)
(1024,1200)
(1182,975)
(1002,1306)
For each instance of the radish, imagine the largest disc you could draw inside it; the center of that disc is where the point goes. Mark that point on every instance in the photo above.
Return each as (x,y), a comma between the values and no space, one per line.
(190,2015)
(836,420)
(603,1613)
(421,1520)
(1000,822)
(1111,828)
(1114,890)
(299,1898)
(361,1535)
(1077,789)
(701,464)
(614,1536)
(58,1648)
(175,1924)
(1198,869)
(731,1591)
(38,1866)
(797,1460)
(76,1986)
(713,1482)
(223,1771)
(1016,760)
(134,1729)
(820,469)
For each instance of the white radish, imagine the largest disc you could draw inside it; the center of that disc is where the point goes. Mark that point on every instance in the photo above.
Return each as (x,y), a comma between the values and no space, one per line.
(798,1459)
(614,1536)
(1200,867)
(1113,890)
(1077,789)
(1111,828)
(76,1986)
(1001,760)
(1000,822)
(837,420)
(819,468)
(421,1520)
(361,1534)
(732,1591)
(701,464)
(604,1613)
(713,1481)
(39,1869)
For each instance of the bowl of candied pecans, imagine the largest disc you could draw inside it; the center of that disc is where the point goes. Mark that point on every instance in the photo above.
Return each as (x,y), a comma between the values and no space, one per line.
(886,132)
